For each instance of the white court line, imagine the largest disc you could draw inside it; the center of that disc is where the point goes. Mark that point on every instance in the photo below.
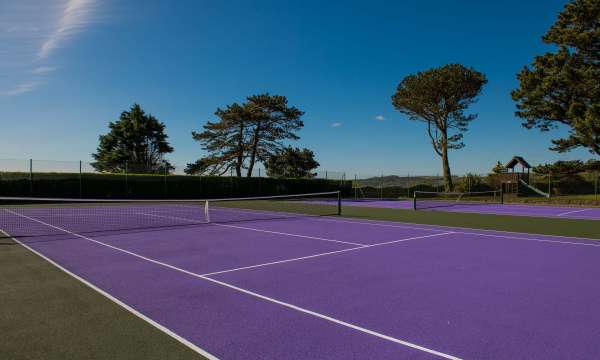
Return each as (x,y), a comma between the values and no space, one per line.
(258,230)
(374,223)
(457,230)
(503,212)
(324,254)
(289,234)
(532,239)
(160,327)
(572,212)
(257,295)
(250,211)
(523,214)
(413,228)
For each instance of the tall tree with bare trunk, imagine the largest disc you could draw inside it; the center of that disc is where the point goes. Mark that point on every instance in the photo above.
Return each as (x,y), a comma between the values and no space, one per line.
(439,97)
(246,134)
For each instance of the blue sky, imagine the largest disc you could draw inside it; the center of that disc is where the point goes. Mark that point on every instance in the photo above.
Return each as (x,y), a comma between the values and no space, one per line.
(69,67)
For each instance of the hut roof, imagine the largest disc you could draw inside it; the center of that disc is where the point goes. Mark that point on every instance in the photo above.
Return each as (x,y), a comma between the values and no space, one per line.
(517,160)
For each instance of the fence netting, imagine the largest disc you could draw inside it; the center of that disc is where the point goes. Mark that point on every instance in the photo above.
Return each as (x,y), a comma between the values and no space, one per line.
(80,179)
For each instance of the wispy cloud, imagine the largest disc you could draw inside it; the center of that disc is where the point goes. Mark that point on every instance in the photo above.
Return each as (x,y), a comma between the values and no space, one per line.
(43,69)
(31,31)
(22,88)
(74,17)
(336,124)
(380,118)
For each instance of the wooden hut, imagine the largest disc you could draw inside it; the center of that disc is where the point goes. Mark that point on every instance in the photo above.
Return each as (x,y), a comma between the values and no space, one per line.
(515,170)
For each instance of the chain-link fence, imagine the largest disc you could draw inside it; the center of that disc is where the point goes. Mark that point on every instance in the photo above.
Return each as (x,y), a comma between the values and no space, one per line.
(584,184)
(80,179)
(580,186)
(394,186)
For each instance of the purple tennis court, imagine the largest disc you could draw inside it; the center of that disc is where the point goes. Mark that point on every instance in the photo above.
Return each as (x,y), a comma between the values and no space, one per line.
(328,287)
(589,213)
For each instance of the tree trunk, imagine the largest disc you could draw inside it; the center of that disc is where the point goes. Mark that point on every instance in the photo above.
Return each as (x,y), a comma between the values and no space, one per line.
(240,155)
(252,159)
(254,150)
(448,185)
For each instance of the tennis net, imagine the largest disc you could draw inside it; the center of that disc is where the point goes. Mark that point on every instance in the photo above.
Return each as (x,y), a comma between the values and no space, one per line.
(25,216)
(423,200)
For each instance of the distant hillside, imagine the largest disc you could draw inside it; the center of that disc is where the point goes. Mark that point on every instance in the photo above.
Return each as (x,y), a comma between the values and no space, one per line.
(401,181)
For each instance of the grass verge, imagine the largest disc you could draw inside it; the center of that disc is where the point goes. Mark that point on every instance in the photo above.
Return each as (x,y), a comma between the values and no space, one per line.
(531,225)
(47,314)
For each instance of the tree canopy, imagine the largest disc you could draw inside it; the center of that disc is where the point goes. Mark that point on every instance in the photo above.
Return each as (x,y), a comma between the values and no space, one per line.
(292,163)
(569,167)
(498,168)
(563,87)
(439,97)
(246,134)
(225,141)
(137,142)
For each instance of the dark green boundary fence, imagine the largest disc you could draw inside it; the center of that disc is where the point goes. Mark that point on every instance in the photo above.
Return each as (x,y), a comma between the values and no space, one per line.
(138,186)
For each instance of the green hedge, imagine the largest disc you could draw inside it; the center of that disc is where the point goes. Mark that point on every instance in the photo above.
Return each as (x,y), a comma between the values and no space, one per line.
(568,184)
(135,186)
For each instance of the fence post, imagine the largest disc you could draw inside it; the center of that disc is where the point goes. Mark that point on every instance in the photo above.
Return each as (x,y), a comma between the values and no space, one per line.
(165,181)
(549,184)
(231,182)
(468,182)
(126,181)
(596,186)
(80,180)
(381,187)
(200,190)
(408,185)
(30,177)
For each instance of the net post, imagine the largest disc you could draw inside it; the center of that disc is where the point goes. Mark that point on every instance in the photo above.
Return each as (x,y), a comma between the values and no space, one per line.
(501,194)
(414,200)
(206,212)
(339,203)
